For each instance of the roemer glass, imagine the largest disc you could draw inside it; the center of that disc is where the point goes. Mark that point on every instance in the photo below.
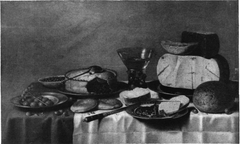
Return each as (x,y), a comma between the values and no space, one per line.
(136,59)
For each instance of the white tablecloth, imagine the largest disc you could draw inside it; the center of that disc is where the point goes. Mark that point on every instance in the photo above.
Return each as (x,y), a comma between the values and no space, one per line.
(192,128)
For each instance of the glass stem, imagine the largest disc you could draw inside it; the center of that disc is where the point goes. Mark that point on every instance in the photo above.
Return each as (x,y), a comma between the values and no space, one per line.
(136,78)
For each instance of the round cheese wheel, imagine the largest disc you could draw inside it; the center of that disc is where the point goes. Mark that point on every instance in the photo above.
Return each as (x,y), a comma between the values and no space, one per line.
(84,105)
(208,42)
(188,72)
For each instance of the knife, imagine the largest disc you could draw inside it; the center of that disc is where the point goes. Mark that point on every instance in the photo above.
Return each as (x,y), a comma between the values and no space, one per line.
(104,114)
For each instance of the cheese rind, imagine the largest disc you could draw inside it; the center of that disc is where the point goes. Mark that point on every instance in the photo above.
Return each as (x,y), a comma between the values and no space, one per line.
(187,72)
(178,48)
(208,42)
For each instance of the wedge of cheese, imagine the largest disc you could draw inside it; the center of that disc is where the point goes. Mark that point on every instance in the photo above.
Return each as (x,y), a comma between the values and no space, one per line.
(188,72)
(169,107)
(182,98)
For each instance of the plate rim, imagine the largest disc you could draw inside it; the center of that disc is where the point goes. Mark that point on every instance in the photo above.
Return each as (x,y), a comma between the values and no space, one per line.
(62,97)
(57,95)
(170,94)
(159,90)
(175,116)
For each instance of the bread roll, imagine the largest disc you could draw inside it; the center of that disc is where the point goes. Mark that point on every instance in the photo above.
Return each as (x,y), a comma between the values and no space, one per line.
(84,105)
(107,104)
(213,97)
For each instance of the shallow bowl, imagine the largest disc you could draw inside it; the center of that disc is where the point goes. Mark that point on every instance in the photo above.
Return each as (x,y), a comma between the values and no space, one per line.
(52,81)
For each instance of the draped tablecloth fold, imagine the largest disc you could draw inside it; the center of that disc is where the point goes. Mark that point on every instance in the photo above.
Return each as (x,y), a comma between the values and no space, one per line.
(191,128)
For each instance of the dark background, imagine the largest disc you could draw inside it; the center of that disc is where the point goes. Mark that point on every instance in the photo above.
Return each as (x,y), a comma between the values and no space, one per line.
(50,38)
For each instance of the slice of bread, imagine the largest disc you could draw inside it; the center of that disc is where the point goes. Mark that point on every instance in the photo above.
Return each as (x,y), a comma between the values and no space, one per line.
(136,95)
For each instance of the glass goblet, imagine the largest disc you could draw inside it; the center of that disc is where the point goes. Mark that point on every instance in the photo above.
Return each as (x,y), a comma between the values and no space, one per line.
(136,59)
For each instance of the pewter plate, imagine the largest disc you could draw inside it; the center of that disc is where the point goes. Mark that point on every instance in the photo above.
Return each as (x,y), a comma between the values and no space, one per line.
(56,98)
(180,113)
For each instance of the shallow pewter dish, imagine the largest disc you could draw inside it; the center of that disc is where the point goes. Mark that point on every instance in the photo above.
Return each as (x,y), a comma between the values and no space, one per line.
(134,112)
(56,98)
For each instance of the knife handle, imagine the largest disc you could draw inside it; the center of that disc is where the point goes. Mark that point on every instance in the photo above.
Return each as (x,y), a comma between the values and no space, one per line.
(93,117)
(102,115)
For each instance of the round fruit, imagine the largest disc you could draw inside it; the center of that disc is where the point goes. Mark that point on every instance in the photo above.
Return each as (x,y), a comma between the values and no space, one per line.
(29,114)
(213,97)
(44,99)
(29,100)
(25,103)
(57,113)
(41,104)
(33,104)
(49,103)
(35,100)
(23,100)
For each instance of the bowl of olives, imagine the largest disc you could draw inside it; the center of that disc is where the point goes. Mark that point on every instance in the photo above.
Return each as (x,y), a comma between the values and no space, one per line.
(52,81)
